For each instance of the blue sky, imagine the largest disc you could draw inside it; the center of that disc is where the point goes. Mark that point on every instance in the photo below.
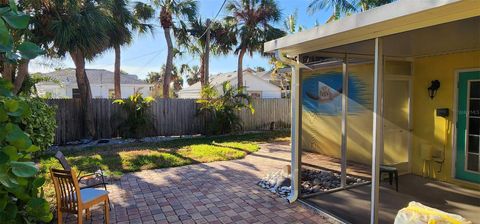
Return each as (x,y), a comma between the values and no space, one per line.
(148,52)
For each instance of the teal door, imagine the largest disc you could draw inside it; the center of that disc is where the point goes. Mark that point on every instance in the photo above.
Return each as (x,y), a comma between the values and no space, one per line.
(467,164)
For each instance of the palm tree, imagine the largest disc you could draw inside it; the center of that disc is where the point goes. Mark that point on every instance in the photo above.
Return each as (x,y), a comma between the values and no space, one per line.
(192,37)
(290,23)
(340,7)
(253,19)
(169,11)
(78,28)
(192,74)
(124,21)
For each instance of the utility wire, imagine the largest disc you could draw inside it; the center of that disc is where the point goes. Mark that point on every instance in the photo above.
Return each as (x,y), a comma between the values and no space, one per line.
(214,18)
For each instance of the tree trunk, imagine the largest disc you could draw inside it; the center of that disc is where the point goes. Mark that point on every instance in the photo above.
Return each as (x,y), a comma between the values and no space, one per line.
(7,72)
(206,59)
(21,74)
(202,70)
(240,67)
(116,73)
(85,92)
(167,77)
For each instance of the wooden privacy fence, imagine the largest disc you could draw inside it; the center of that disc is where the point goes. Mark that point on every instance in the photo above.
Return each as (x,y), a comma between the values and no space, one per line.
(171,117)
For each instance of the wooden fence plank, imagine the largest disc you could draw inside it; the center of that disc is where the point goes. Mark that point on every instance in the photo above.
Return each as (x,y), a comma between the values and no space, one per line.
(169,117)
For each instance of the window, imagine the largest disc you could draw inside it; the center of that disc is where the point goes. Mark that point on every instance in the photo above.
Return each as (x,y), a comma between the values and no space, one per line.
(473,127)
(255,94)
(111,93)
(76,93)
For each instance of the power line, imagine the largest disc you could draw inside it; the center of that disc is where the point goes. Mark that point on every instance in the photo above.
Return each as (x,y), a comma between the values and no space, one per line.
(214,18)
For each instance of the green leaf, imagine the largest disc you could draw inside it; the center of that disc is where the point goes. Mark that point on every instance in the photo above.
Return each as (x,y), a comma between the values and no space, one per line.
(6,181)
(17,20)
(4,10)
(16,137)
(3,115)
(24,169)
(13,5)
(29,50)
(38,182)
(11,152)
(6,40)
(11,105)
(39,208)
(4,158)
(3,201)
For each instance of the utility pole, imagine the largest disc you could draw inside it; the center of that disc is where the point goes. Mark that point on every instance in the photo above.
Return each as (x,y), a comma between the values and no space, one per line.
(207,55)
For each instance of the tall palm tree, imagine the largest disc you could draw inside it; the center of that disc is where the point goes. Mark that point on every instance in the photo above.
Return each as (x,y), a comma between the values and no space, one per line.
(192,38)
(253,20)
(124,22)
(340,7)
(80,29)
(171,12)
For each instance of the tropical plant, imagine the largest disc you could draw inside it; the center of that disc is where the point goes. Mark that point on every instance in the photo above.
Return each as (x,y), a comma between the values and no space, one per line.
(192,74)
(136,121)
(344,7)
(124,22)
(171,13)
(340,7)
(79,28)
(29,84)
(253,20)
(41,123)
(194,36)
(223,108)
(21,195)
(157,78)
(290,23)
(16,49)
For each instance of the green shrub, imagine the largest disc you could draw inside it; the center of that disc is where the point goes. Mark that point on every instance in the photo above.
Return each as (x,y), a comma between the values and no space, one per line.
(222,108)
(21,196)
(134,121)
(41,123)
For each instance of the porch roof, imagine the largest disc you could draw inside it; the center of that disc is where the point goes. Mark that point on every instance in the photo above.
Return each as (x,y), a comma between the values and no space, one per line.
(393,18)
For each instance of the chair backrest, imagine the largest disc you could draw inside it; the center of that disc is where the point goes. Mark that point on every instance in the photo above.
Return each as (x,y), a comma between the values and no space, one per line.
(67,190)
(61,158)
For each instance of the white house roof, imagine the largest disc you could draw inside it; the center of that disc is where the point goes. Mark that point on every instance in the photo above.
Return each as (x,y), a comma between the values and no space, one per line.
(95,76)
(393,18)
(219,79)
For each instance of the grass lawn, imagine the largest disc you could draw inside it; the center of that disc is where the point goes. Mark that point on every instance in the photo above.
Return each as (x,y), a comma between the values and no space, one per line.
(115,160)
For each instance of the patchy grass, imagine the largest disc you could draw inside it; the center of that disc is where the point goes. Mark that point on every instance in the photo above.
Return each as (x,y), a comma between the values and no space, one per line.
(119,159)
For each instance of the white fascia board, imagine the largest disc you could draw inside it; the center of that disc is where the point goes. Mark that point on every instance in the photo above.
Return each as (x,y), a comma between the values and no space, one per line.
(396,17)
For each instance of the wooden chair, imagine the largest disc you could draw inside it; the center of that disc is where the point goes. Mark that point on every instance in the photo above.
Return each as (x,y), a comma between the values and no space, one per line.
(82,179)
(72,199)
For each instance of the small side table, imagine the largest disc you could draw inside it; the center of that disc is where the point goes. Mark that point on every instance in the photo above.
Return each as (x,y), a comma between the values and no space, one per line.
(392,172)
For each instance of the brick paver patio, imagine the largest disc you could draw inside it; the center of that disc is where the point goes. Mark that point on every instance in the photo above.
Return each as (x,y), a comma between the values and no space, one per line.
(218,192)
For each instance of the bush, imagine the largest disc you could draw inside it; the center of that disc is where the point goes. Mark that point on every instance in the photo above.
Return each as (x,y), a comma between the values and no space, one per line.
(21,196)
(135,121)
(222,108)
(41,123)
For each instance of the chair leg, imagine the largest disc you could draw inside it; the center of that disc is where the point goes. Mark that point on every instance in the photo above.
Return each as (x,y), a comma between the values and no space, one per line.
(107,211)
(88,214)
(80,216)
(396,180)
(59,216)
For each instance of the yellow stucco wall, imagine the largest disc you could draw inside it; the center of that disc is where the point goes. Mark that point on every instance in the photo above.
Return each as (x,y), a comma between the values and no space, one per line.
(322,133)
(429,130)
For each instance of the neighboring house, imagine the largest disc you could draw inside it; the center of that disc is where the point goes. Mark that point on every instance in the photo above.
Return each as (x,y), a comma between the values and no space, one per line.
(256,87)
(397,85)
(101,84)
(281,79)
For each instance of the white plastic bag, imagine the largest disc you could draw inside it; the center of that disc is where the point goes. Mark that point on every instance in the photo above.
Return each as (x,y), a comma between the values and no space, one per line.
(416,213)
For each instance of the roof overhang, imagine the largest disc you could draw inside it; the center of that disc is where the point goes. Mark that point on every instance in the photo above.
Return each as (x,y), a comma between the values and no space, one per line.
(393,18)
